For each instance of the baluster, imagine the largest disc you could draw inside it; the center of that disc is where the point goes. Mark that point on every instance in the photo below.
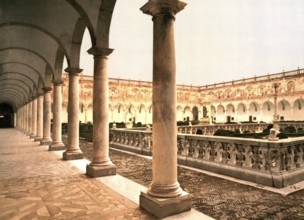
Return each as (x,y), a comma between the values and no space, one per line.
(218,149)
(192,144)
(232,154)
(196,149)
(201,151)
(185,147)
(225,153)
(207,151)
(248,156)
(239,155)
(180,145)
(255,157)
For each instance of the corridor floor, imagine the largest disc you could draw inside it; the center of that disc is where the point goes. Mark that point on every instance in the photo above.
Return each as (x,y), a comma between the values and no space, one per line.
(37,184)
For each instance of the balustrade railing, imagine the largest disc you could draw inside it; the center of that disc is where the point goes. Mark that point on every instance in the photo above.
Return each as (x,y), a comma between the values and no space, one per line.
(273,163)
(211,129)
(140,141)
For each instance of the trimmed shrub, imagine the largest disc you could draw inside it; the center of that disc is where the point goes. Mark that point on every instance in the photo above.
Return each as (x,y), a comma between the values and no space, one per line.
(282,136)
(289,129)
(222,132)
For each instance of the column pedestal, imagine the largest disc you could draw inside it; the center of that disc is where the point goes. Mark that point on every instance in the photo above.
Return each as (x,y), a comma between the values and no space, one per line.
(101,164)
(163,207)
(73,151)
(164,196)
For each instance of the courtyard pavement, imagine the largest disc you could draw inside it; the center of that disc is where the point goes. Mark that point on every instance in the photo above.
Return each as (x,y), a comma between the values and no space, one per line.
(37,184)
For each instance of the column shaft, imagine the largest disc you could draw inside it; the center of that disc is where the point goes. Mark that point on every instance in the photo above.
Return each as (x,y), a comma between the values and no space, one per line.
(39,118)
(46,139)
(164,165)
(29,118)
(57,106)
(34,118)
(101,164)
(73,151)
(164,182)
(26,118)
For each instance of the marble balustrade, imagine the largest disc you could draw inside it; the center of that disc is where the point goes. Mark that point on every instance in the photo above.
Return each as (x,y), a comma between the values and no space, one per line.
(271,163)
(251,127)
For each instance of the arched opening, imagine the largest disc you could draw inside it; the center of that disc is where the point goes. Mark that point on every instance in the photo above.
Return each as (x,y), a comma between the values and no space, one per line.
(284,110)
(6,116)
(195,113)
(254,112)
(230,113)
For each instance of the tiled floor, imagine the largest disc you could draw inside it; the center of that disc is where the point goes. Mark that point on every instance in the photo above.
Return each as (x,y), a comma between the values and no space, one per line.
(37,184)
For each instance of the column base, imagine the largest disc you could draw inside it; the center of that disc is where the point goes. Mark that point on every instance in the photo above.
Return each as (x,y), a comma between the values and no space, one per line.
(72,155)
(56,146)
(37,139)
(95,171)
(45,141)
(163,207)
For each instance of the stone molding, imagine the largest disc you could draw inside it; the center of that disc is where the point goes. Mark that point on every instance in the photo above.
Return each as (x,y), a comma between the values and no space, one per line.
(100,52)
(47,89)
(73,71)
(58,82)
(167,7)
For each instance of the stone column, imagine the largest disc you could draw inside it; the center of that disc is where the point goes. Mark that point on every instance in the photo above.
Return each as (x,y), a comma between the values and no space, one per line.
(73,151)
(26,127)
(46,139)
(164,196)
(101,164)
(24,119)
(34,117)
(29,118)
(39,118)
(57,106)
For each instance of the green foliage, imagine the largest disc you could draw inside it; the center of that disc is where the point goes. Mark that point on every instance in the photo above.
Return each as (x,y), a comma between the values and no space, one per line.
(222,132)
(282,136)
(289,129)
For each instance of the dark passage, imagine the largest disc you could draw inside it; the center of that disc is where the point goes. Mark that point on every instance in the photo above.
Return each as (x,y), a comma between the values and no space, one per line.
(6,116)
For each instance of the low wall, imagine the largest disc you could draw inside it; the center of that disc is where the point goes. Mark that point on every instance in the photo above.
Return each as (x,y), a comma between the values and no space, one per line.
(251,127)
(272,163)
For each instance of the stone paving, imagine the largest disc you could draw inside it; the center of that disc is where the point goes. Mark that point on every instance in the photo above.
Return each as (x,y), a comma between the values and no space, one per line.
(216,197)
(36,184)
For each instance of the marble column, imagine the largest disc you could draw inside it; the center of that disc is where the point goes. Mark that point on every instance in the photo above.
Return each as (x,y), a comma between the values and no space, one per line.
(164,196)
(46,139)
(73,151)
(22,119)
(29,120)
(57,106)
(39,118)
(101,164)
(34,117)
(26,119)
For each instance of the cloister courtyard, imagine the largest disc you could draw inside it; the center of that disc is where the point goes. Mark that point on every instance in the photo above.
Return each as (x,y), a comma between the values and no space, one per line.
(43,186)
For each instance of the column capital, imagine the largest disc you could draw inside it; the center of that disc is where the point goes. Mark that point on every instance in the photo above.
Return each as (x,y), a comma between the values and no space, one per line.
(169,7)
(73,70)
(46,89)
(100,52)
(34,97)
(57,82)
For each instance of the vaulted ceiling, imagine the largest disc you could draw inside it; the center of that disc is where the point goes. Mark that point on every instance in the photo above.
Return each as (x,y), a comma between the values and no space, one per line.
(36,35)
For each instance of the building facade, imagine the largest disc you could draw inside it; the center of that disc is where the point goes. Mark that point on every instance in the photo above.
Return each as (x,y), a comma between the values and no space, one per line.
(246,100)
